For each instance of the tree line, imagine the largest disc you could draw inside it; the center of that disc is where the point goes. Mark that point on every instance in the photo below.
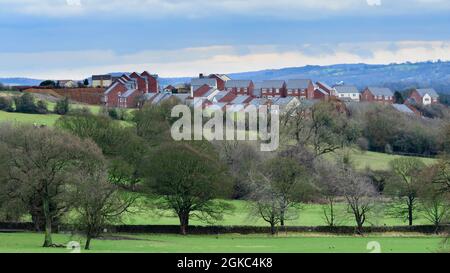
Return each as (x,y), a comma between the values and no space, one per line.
(26,103)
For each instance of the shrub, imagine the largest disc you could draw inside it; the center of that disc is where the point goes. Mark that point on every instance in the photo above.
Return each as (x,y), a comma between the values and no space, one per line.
(25,104)
(48,83)
(113,113)
(62,106)
(41,107)
(363,143)
(6,104)
(116,113)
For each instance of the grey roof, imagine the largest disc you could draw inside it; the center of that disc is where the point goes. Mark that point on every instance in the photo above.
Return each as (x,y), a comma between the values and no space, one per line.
(381,91)
(403,108)
(237,83)
(149,96)
(111,88)
(216,106)
(309,102)
(272,84)
(298,84)
(240,99)
(429,91)
(203,81)
(101,77)
(283,101)
(346,89)
(128,93)
(161,97)
(181,97)
(258,102)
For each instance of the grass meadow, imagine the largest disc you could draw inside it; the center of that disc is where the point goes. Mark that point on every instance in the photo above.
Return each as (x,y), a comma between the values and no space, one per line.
(309,215)
(290,243)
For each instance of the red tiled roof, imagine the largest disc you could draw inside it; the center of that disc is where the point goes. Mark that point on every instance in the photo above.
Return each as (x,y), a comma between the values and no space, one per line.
(201,91)
(228,97)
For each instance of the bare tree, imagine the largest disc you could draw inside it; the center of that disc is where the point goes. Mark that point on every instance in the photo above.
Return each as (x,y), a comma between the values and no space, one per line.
(359,194)
(97,201)
(442,175)
(403,186)
(240,157)
(278,185)
(435,203)
(323,126)
(328,181)
(265,201)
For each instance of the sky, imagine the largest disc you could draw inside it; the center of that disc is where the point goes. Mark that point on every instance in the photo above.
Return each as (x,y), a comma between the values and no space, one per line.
(73,39)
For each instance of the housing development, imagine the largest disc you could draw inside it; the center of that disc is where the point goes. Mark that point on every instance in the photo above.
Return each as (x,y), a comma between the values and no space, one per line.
(217,91)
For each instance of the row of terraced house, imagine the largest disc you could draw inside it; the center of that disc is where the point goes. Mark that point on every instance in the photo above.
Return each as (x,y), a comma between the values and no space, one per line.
(218,90)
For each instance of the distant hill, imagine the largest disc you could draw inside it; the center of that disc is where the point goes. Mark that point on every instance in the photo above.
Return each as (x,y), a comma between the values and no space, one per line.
(19,81)
(394,76)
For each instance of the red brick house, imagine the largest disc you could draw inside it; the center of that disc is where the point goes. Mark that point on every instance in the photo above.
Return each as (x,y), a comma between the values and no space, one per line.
(320,94)
(111,95)
(126,90)
(130,98)
(221,79)
(325,87)
(196,83)
(378,94)
(273,88)
(424,96)
(170,89)
(142,82)
(240,87)
(152,82)
(301,88)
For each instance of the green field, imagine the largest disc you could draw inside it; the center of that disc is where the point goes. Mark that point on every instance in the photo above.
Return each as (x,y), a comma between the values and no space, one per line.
(48,120)
(309,215)
(291,243)
(379,161)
